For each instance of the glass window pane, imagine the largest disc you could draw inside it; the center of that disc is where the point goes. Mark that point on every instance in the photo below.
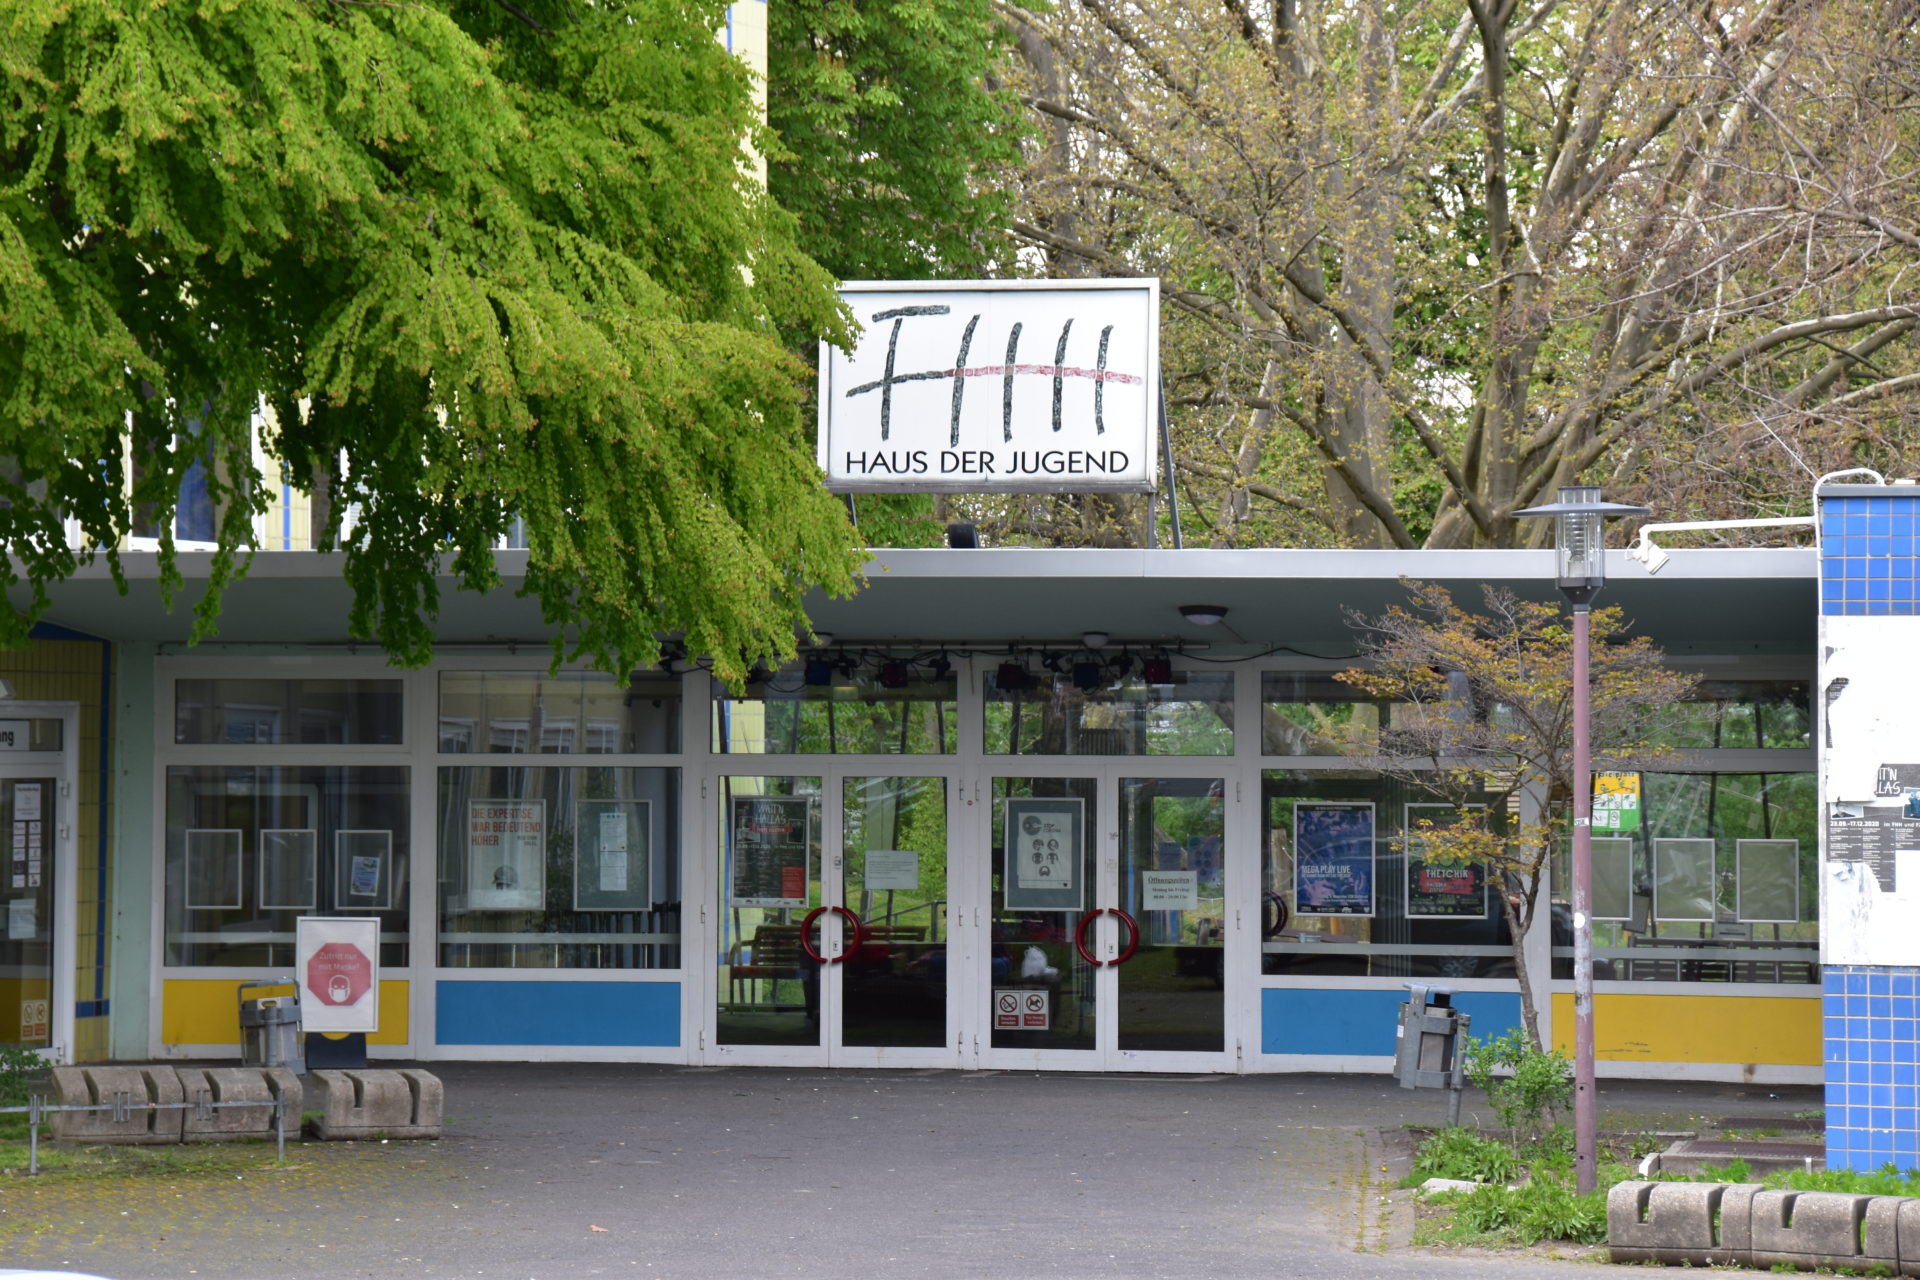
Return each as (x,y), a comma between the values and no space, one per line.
(855,714)
(559,868)
(1426,919)
(1746,714)
(768,990)
(277,711)
(1190,714)
(573,713)
(1309,713)
(1721,880)
(250,849)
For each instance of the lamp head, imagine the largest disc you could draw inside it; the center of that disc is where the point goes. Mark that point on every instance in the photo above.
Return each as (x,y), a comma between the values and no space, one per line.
(1203,615)
(1580,557)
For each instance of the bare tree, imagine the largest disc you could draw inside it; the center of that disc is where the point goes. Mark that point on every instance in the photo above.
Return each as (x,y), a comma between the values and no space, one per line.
(1425,262)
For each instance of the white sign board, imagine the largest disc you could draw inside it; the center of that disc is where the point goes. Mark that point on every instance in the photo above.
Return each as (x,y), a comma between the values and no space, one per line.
(1021,1009)
(1169,891)
(1005,386)
(893,869)
(337,964)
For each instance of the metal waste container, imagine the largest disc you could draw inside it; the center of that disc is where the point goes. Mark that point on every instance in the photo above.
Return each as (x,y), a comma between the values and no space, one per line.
(270,1026)
(1428,1052)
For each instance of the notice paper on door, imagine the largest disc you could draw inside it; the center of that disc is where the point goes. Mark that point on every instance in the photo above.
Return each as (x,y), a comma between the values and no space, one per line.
(893,869)
(26,801)
(1169,890)
(613,870)
(21,919)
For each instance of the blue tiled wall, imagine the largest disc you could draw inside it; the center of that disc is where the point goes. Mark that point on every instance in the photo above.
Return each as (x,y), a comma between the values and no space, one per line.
(1872,1034)
(1867,556)
(1869,566)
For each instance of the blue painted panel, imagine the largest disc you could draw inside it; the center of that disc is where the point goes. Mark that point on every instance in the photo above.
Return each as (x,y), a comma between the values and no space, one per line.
(558,1013)
(1363,1022)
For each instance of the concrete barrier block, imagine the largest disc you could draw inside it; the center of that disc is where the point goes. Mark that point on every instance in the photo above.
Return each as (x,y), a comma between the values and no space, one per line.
(376,1104)
(1907,1234)
(96,1086)
(1736,1218)
(1676,1223)
(1808,1229)
(238,1084)
(1880,1234)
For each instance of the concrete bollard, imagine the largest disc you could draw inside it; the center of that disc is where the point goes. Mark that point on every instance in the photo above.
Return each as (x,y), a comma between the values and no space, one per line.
(238,1084)
(95,1086)
(376,1104)
(1808,1229)
(1676,1223)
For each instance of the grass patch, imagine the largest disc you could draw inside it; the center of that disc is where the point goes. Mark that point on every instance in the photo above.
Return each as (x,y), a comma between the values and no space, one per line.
(113,1160)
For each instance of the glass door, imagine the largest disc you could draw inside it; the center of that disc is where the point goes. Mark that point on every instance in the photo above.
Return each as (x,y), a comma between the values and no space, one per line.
(1109,923)
(835,925)
(29,824)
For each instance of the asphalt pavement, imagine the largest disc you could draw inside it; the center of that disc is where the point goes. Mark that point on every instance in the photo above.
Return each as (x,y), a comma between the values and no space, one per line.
(552,1171)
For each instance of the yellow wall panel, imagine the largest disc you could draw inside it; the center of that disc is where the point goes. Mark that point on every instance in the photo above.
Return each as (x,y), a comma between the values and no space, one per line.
(1686,1028)
(207,1011)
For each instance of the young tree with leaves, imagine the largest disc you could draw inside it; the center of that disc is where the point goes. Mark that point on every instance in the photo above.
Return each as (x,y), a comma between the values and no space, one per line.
(1482,717)
(480,261)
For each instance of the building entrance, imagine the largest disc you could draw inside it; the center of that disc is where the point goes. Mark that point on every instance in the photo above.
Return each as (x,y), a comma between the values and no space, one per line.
(1110,920)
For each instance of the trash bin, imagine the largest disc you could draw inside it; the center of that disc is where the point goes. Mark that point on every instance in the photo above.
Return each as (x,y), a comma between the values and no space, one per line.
(270,1026)
(1428,1052)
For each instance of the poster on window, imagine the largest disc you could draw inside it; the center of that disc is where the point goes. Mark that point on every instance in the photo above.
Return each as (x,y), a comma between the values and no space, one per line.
(612,856)
(1044,843)
(1767,881)
(1683,880)
(771,850)
(506,855)
(1333,859)
(363,865)
(213,869)
(1440,890)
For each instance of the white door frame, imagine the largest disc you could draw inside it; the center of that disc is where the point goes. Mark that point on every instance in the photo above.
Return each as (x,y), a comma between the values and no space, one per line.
(64,767)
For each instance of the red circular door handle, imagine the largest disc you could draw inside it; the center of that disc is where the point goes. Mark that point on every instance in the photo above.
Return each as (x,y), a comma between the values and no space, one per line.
(1080,938)
(1133,941)
(859,932)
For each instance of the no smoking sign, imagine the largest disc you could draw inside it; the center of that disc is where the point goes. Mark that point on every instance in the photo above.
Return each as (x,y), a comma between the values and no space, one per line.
(1018,1009)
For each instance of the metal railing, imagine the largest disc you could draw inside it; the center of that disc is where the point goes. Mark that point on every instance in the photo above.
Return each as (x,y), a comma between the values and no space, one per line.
(203,1106)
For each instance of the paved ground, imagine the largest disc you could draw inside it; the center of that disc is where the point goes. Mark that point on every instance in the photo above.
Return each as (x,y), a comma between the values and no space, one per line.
(589,1170)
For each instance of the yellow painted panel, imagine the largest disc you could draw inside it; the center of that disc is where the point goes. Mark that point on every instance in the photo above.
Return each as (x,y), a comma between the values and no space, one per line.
(207,1011)
(1683,1028)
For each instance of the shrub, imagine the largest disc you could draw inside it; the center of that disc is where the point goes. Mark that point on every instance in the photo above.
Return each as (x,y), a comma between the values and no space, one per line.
(1544,1209)
(1462,1153)
(1527,1087)
(20,1070)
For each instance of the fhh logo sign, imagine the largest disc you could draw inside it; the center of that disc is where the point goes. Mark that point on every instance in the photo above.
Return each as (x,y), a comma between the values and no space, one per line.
(338,961)
(994,386)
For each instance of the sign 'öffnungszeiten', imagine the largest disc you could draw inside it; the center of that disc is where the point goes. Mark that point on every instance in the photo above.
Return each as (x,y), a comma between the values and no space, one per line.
(1011,386)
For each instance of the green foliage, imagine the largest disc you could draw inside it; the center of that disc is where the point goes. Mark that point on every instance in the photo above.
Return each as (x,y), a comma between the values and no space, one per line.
(896,134)
(1527,1087)
(1546,1208)
(479,262)
(20,1070)
(1462,1153)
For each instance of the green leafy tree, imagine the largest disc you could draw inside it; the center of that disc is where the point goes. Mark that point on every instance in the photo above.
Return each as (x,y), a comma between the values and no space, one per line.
(1482,714)
(475,261)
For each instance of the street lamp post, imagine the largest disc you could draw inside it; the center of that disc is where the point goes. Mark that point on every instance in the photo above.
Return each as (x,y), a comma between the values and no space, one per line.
(1581,569)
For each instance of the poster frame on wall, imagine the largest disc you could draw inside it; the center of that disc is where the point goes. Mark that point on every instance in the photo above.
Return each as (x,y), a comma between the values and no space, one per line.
(744,872)
(1324,861)
(1663,851)
(592,868)
(305,882)
(227,848)
(1411,831)
(1022,880)
(506,866)
(1603,859)
(1740,880)
(375,843)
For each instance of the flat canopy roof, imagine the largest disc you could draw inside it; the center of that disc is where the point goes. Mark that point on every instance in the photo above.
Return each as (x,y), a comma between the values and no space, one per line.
(1705,601)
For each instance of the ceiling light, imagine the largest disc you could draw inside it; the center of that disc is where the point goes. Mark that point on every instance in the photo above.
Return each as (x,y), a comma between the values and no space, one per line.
(1203,615)
(1095,639)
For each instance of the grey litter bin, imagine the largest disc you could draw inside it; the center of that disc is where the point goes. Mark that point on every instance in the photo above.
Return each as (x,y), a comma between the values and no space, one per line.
(1428,1051)
(270,1026)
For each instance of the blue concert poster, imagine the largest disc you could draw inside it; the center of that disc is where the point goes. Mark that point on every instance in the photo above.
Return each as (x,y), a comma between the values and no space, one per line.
(1333,859)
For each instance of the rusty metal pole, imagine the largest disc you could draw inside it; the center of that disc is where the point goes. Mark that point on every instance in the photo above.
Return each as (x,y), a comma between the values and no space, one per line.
(1585,1139)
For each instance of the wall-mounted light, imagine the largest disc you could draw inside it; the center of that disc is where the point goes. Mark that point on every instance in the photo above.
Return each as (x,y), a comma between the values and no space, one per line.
(939,669)
(1203,615)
